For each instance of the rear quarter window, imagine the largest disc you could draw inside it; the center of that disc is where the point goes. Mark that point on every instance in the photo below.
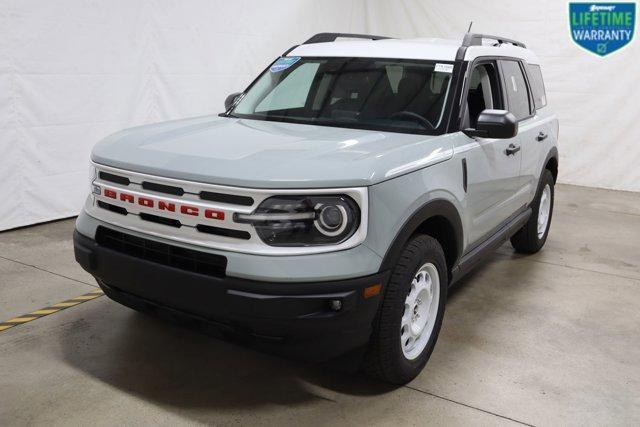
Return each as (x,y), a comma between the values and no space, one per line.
(537,85)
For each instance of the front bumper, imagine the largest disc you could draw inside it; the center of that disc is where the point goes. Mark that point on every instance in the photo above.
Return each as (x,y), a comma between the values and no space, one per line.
(296,319)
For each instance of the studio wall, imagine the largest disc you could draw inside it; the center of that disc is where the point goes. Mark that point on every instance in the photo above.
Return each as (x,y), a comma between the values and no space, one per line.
(74,71)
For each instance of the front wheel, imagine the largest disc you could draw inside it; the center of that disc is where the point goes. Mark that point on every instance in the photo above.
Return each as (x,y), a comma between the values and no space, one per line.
(410,316)
(532,237)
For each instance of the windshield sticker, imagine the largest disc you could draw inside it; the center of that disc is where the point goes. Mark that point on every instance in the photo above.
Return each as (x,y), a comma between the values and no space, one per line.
(444,68)
(284,63)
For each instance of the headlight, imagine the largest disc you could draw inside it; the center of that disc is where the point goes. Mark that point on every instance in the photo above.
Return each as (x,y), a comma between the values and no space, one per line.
(304,220)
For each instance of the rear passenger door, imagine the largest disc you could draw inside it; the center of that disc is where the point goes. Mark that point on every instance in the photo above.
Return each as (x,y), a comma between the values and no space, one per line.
(543,135)
(520,102)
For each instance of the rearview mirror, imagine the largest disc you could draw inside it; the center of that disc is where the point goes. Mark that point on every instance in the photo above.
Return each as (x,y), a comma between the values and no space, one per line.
(494,124)
(231,99)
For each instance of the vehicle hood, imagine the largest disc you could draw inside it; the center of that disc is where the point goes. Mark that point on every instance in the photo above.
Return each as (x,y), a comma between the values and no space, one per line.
(264,154)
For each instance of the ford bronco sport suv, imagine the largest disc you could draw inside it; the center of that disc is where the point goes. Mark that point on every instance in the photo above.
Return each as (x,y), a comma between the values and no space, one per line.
(328,210)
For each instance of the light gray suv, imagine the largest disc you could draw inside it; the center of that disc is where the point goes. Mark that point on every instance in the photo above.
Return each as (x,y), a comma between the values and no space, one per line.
(329,209)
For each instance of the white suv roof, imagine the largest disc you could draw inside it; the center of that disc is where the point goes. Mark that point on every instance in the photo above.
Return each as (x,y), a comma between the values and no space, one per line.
(419,48)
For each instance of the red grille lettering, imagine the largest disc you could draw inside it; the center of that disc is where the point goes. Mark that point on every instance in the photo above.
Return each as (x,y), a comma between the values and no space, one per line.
(189,210)
(166,206)
(145,202)
(214,214)
(126,197)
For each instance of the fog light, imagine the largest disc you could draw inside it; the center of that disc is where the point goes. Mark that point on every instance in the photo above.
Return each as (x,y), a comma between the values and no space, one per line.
(336,305)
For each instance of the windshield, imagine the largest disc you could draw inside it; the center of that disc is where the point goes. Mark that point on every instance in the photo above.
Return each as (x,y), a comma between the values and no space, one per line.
(381,94)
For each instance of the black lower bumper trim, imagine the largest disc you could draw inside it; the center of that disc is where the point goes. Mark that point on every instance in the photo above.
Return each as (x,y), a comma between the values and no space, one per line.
(297,319)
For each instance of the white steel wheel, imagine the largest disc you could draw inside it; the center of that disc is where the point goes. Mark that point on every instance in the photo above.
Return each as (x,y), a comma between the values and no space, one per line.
(405,330)
(544,210)
(420,311)
(533,235)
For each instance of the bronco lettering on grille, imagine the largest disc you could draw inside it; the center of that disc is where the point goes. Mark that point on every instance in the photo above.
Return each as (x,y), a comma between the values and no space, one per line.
(163,205)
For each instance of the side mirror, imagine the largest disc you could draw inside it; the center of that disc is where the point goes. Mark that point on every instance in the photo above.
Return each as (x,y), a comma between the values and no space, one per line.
(228,103)
(499,124)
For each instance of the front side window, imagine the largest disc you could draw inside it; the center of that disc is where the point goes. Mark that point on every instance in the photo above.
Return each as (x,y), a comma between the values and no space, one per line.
(382,94)
(483,93)
(516,89)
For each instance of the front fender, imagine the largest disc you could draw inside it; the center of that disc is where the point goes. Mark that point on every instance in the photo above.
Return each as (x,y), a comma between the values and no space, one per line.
(433,208)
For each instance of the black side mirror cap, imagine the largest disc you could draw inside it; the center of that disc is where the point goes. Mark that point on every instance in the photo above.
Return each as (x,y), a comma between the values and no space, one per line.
(231,99)
(499,124)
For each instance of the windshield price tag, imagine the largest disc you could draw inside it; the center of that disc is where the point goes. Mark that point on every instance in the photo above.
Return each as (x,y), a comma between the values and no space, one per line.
(444,68)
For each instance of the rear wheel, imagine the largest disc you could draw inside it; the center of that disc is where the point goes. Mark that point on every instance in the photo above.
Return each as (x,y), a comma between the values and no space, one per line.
(410,316)
(532,237)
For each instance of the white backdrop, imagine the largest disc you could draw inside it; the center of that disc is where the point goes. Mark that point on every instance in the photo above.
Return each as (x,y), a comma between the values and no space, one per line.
(73,71)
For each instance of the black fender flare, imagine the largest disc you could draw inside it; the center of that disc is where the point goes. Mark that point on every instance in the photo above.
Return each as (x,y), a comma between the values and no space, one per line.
(552,154)
(433,208)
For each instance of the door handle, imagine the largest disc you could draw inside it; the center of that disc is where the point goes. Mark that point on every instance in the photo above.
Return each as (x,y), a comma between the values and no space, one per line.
(512,149)
(541,136)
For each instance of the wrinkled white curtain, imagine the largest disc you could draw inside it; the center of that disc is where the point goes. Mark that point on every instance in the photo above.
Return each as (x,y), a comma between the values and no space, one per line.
(73,71)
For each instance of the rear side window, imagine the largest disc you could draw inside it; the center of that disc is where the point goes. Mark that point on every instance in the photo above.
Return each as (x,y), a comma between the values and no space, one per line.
(537,85)
(517,92)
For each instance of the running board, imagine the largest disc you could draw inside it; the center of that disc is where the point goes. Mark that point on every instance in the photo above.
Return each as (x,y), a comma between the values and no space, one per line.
(475,255)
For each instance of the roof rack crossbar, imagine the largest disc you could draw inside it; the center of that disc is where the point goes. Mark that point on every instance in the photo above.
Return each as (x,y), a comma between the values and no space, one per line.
(471,39)
(331,37)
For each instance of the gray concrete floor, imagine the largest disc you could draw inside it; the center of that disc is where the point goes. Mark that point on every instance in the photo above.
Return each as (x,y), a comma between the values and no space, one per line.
(552,338)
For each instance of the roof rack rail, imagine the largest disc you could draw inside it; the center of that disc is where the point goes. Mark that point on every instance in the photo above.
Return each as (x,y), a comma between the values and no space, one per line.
(472,39)
(331,37)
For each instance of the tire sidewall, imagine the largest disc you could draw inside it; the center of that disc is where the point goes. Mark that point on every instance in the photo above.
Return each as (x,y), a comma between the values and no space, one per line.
(546,179)
(410,368)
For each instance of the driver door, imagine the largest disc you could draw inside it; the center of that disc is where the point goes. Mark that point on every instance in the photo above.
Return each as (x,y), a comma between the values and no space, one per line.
(492,173)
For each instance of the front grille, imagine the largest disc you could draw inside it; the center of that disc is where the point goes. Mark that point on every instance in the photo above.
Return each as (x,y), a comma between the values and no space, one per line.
(112,208)
(161,188)
(160,220)
(162,253)
(231,199)
(123,180)
(236,234)
(203,228)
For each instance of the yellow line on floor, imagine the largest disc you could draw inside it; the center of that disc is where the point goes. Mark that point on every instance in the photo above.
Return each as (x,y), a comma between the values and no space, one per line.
(65,304)
(21,319)
(26,318)
(85,297)
(53,310)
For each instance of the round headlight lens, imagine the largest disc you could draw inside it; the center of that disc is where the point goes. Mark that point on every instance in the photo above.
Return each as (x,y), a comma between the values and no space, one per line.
(304,220)
(331,219)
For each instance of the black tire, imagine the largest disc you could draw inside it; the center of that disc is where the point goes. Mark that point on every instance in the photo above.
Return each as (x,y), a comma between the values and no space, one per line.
(384,359)
(526,240)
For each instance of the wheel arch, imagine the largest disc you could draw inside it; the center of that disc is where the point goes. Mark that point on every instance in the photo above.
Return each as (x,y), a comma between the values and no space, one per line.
(438,218)
(551,163)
